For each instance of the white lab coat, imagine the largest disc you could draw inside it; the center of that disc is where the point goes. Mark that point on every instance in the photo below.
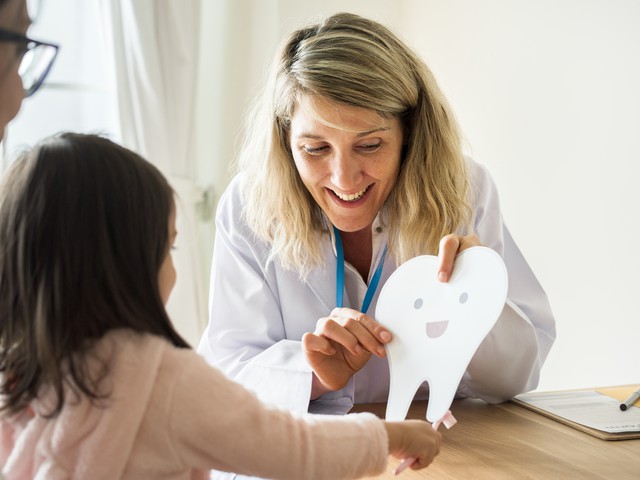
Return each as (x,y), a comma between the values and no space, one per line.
(259,312)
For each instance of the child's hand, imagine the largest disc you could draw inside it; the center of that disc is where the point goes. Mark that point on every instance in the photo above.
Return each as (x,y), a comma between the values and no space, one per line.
(413,438)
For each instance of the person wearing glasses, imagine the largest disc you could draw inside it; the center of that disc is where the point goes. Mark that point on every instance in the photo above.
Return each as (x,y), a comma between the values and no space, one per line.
(24,63)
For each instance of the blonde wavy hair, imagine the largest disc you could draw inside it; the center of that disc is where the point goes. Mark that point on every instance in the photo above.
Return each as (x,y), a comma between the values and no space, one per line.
(356,62)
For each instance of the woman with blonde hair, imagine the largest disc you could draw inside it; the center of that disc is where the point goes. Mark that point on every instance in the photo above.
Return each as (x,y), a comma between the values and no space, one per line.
(352,165)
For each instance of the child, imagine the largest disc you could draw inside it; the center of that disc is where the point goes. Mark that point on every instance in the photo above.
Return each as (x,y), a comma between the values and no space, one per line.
(94,380)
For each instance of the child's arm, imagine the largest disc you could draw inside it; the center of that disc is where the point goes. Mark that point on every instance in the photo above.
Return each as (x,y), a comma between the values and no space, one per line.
(216,423)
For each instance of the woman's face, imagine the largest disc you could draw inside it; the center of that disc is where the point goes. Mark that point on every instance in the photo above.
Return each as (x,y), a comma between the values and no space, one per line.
(350,166)
(14,18)
(167,275)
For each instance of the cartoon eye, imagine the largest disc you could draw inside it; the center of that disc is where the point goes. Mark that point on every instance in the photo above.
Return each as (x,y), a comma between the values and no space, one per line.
(463,297)
(418,304)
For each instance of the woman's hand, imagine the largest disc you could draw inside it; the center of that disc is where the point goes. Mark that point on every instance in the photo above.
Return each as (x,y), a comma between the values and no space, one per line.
(340,346)
(450,246)
(413,439)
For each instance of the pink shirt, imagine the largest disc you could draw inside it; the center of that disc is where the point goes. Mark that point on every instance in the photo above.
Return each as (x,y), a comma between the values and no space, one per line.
(172,416)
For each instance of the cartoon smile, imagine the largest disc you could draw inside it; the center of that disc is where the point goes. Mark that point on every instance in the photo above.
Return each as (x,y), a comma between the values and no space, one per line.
(436,329)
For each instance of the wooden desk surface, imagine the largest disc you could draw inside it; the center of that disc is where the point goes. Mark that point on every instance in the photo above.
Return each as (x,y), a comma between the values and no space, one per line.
(507,441)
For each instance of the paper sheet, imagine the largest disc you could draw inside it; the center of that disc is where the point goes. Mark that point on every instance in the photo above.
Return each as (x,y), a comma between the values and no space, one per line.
(588,408)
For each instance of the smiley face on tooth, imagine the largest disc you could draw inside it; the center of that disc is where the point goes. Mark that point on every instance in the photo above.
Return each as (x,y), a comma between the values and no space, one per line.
(435,329)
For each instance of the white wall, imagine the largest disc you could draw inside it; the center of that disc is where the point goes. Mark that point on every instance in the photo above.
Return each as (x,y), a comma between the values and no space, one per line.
(547,94)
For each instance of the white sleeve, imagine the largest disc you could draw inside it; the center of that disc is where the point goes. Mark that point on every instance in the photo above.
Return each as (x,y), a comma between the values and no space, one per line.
(509,360)
(245,336)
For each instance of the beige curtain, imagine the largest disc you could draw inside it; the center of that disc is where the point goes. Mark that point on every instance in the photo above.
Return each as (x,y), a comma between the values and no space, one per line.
(154,46)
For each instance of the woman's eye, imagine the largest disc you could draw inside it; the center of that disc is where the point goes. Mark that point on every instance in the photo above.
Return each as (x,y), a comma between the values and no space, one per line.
(315,150)
(369,147)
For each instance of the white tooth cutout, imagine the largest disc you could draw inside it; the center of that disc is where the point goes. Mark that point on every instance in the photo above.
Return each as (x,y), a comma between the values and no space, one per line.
(437,327)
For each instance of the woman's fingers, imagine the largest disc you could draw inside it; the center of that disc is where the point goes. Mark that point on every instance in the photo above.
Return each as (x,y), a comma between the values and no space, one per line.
(335,329)
(450,246)
(354,329)
(315,343)
(378,331)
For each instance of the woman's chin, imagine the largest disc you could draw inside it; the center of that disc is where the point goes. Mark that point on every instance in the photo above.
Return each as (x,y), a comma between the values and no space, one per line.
(351,226)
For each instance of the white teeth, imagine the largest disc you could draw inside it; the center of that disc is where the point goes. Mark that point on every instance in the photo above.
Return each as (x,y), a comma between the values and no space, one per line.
(352,197)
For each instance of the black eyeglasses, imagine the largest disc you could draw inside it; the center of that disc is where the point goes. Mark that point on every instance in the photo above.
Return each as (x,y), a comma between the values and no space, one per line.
(35,59)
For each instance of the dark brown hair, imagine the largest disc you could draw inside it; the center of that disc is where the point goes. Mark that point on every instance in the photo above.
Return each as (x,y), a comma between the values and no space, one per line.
(83,233)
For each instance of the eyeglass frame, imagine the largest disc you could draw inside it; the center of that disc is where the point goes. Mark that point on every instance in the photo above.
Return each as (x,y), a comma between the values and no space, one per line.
(30,44)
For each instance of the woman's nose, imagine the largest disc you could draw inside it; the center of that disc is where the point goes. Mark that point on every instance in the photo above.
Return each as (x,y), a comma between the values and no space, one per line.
(346,173)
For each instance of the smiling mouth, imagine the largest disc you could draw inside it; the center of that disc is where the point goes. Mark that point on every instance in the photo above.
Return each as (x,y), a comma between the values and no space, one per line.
(436,329)
(352,197)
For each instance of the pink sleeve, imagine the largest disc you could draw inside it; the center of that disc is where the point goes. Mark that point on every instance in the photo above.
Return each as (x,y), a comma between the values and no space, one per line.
(7,439)
(217,424)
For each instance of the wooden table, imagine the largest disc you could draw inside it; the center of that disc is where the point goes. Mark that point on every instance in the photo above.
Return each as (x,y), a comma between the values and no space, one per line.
(507,441)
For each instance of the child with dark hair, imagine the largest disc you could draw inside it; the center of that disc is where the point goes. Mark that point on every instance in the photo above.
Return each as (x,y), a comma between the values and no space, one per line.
(95,382)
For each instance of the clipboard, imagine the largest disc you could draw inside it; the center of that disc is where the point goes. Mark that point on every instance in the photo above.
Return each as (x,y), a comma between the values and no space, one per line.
(593,411)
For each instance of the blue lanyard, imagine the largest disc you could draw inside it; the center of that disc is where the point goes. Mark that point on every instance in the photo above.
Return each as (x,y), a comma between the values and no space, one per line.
(371,289)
